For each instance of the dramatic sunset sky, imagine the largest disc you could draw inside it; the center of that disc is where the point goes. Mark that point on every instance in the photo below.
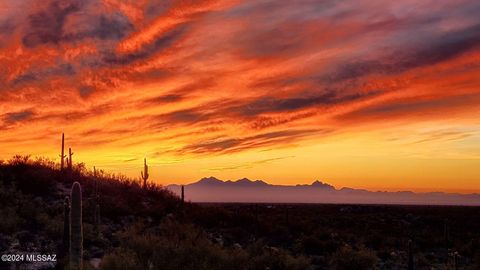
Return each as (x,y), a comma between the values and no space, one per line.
(382,95)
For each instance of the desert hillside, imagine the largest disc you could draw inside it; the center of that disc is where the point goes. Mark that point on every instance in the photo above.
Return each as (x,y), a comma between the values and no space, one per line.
(130,226)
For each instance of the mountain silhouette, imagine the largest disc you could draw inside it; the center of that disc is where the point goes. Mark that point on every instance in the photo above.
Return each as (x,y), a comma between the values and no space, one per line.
(209,181)
(319,184)
(211,189)
(244,182)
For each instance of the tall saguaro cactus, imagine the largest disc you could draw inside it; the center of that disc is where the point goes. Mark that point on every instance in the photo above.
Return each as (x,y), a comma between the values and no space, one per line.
(66,224)
(145,174)
(76,229)
(70,160)
(62,155)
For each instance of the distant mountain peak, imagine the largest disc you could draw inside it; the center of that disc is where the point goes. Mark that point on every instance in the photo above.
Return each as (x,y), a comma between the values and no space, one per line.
(321,184)
(245,181)
(210,180)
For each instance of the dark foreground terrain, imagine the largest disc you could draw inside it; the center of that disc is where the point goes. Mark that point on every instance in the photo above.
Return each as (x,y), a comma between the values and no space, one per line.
(150,228)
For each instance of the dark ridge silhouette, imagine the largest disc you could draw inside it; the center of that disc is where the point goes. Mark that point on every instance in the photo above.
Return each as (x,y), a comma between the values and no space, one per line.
(139,222)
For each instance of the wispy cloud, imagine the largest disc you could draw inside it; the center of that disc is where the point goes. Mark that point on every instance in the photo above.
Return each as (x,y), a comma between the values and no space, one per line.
(246,165)
(221,77)
(13,117)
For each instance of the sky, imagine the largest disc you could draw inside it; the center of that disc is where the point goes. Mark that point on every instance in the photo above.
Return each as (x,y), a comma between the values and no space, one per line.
(374,94)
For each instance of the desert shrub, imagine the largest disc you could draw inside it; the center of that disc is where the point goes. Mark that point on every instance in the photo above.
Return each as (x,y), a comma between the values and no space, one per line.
(349,259)
(44,162)
(9,221)
(19,160)
(262,256)
(277,259)
(29,177)
(173,245)
(177,246)
(318,245)
(120,259)
(52,226)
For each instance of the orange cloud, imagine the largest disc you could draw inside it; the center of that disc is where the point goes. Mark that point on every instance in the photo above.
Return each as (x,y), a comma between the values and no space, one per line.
(180,81)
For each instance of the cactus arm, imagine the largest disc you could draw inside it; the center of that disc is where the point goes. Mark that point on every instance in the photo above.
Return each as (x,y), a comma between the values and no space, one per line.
(70,160)
(62,154)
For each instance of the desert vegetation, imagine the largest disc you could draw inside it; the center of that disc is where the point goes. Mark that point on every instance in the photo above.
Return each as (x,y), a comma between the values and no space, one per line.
(141,225)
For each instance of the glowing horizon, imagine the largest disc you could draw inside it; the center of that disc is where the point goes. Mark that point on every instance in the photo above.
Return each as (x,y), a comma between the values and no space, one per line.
(363,94)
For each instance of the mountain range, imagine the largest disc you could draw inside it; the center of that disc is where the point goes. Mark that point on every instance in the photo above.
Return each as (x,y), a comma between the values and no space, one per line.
(211,189)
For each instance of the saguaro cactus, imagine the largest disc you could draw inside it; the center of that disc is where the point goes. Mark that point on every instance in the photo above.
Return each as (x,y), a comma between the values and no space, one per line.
(66,224)
(62,155)
(183,194)
(76,229)
(70,160)
(145,173)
